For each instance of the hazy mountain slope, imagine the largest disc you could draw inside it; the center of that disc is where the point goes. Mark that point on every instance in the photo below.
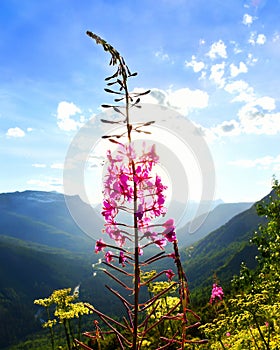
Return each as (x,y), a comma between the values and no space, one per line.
(43,217)
(219,216)
(31,271)
(223,250)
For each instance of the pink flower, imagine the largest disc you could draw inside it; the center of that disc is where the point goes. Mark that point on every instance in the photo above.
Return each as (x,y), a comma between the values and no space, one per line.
(169,223)
(227,334)
(109,256)
(119,185)
(150,235)
(170,235)
(160,242)
(122,259)
(99,245)
(170,274)
(120,240)
(140,212)
(109,211)
(217,293)
(172,255)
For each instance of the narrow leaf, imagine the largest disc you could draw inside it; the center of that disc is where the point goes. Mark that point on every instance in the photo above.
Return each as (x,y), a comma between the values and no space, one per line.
(112,76)
(112,91)
(112,83)
(144,93)
(118,99)
(109,121)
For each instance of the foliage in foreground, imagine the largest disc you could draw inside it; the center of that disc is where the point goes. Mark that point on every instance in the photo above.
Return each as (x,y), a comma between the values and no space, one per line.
(250,318)
(62,308)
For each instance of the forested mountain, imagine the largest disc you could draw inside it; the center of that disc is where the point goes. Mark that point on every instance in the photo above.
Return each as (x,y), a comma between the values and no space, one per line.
(42,249)
(43,217)
(222,251)
(216,218)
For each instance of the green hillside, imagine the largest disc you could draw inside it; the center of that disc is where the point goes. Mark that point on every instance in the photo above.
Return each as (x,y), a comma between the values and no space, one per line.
(223,250)
(42,249)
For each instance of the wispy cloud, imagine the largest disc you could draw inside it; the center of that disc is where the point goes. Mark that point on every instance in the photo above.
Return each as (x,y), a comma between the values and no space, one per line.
(236,70)
(15,132)
(257,39)
(65,113)
(163,56)
(218,49)
(184,100)
(39,165)
(248,19)
(57,166)
(196,65)
(263,162)
(251,60)
(243,91)
(47,184)
(217,74)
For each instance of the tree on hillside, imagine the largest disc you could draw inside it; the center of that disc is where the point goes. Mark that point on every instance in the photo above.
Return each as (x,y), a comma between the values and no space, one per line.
(251,318)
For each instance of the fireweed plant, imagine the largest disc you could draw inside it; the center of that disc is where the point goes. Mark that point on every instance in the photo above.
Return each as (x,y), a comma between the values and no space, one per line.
(132,187)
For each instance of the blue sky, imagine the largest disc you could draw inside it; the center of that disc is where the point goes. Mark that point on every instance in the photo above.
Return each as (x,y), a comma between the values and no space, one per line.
(217,62)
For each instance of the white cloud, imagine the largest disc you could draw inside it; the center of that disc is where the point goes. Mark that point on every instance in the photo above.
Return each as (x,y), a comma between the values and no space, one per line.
(259,39)
(183,100)
(276,37)
(197,66)
(217,74)
(202,76)
(226,128)
(251,60)
(236,48)
(202,42)
(243,91)
(65,111)
(254,117)
(47,184)
(218,49)
(29,129)
(57,166)
(235,70)
(263,162)
(254,121)
(162,56)
(238,86)
(15,132)
(247,19)
(266,102)
(39,165)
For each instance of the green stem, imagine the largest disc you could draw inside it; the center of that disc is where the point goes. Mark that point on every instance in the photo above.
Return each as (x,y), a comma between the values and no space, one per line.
(253,337)
(260,332)
(51,329)
(220,340)
(67,335)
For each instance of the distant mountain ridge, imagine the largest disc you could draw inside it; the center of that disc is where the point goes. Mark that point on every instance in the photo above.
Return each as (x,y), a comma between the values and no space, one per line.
(222,251)
(43,217)
(217,217)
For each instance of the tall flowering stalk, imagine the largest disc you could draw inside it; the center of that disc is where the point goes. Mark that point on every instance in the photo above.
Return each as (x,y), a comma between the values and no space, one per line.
(132,188)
